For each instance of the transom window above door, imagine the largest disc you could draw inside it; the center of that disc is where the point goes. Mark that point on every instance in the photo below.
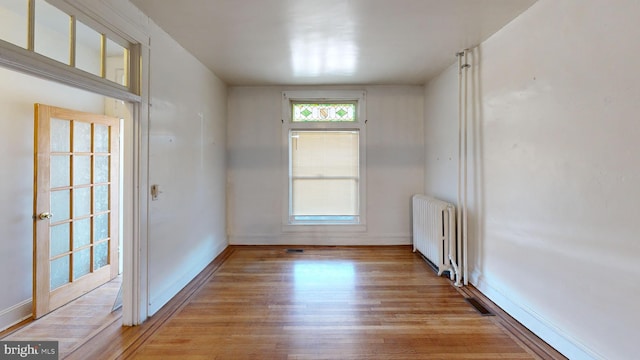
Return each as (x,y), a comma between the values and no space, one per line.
(53,30)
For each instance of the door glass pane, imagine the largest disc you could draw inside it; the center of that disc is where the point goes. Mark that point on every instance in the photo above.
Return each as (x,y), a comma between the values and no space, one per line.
(101,198)
(59,171)
(59,272)
(81,202)
(60,135)
(59,239)
(101,255)
(81,262)
(101,227)
(101,170)
(101,138)
(117,59)
(13,22)
(88,49)
(81,233)
(81,170)
(60,205)
(81,137)
(52,32)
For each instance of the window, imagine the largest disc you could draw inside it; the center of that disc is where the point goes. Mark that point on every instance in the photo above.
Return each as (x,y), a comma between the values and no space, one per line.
(58,32)
(325,154)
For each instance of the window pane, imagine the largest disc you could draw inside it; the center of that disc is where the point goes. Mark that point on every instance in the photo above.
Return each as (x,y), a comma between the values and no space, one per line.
(52,32)
(325,197)
(325,153)
(324,112)
(117,60)
(324,173)
(88,49)
(13,22)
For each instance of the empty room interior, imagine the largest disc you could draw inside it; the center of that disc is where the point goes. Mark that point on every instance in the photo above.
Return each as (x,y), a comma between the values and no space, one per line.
(180,148)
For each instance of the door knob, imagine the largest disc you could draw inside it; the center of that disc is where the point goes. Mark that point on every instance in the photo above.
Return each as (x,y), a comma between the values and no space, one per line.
(45,215)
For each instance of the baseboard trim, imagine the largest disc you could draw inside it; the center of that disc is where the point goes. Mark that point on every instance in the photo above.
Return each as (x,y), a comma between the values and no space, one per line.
(165,294)
(537,324)
(347,239)
(15,314)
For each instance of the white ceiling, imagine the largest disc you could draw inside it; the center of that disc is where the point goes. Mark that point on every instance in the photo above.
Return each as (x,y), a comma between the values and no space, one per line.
(291,42)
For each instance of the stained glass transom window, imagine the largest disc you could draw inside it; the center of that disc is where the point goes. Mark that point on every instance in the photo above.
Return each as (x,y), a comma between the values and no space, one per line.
(321,112)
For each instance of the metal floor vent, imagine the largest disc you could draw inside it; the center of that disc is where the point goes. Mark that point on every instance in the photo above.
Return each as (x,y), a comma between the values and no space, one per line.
(293,251)
(479,307)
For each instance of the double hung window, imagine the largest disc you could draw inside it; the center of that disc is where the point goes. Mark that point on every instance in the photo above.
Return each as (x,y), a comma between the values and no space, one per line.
(325,158)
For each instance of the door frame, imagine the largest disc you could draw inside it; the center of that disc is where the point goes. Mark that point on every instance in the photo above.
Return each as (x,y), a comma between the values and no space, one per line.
(136,142)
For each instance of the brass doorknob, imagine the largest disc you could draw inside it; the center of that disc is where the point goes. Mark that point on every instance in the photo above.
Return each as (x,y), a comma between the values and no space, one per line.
(45,215)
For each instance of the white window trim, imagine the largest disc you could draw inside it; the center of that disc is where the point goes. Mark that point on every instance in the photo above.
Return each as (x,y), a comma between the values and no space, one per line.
(360,125)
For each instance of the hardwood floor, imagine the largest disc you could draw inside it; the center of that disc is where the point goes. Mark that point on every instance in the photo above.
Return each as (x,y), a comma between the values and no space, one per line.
(73,324)
(323,303)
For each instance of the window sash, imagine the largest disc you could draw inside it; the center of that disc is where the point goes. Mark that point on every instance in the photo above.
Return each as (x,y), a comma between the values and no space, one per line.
(324,176)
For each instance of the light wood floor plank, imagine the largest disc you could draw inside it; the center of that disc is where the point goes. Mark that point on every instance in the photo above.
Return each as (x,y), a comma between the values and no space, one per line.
(325,303)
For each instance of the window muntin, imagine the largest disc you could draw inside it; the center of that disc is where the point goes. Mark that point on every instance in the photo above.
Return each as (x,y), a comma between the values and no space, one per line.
(323,112)
(324,176)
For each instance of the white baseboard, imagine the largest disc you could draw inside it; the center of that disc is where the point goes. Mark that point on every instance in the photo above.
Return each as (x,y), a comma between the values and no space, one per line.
(165,294)
(536,323)
(320,239)
(15,314)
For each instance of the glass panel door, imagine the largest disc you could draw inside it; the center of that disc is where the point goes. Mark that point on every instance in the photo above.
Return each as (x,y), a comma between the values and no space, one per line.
(76,203)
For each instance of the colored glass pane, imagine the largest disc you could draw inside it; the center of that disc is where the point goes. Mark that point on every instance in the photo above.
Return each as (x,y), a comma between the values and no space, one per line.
(324,112)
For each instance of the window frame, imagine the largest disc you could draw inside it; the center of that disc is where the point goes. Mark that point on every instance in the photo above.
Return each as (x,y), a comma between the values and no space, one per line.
(323,96)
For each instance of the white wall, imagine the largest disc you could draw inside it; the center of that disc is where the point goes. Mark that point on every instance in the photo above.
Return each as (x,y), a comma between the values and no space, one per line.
(18,93)
(554,172)
(395,158)
(187,160)
(187,223)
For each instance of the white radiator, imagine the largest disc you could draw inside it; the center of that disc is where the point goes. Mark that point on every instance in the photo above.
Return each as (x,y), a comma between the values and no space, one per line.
(434,223)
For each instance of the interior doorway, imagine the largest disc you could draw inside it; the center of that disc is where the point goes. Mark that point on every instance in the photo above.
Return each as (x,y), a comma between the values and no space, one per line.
(18,93)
